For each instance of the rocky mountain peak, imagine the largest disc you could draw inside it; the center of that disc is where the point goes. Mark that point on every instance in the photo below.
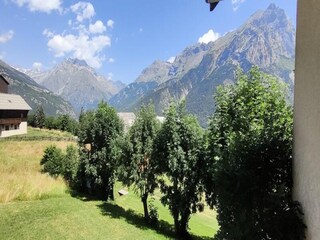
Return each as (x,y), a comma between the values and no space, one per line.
(75,64)
(76,61)
(266,39)
(194,50)
(162,71)
(79,83)
(273,16)
(155,72)
(272,6)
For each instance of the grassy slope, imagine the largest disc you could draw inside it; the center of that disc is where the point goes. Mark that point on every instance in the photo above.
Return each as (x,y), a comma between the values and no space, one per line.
(66,218)
(40,134)
(37,132)
(20,176)
(36,206)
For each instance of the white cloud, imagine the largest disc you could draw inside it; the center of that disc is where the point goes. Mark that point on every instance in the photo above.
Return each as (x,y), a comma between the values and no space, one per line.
(5,37)
(80,46)
(37,66)
(171,59)
(84,10)
(110,23)
(82,29)
(84,40)
(210,36)
(140,29)
(236,4)
(40,5)
(98,27)
(47,33)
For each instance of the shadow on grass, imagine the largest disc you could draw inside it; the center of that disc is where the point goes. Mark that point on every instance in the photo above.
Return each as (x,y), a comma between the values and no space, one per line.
(112,210)
(85,197)
(131,217)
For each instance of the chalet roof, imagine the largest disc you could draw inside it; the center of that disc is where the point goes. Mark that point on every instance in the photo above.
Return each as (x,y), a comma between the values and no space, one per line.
(13,102)
(2,77)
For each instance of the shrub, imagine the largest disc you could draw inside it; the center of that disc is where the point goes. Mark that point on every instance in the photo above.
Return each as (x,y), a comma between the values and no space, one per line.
(52,161)
(55,162)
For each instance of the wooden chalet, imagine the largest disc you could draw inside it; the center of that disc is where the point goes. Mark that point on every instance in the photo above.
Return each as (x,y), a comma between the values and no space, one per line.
(13,112)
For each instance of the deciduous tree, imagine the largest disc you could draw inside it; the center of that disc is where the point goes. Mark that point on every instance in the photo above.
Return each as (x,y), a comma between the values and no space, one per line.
(137,167)
(98,157)
(249,172)
(177,150)
(66,123)
(39,117)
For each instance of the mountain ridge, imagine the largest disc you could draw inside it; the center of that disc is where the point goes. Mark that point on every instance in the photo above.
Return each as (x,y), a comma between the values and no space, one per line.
(33,93)
(77,82)
(266,40)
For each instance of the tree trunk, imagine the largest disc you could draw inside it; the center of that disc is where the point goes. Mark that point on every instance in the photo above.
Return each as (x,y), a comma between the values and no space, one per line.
(176,222)
(183,226)
(144,200)
(110,193)
(103,193)
(106,193)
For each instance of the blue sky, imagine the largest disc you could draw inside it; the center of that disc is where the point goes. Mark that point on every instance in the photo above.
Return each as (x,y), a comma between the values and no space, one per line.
(119,38)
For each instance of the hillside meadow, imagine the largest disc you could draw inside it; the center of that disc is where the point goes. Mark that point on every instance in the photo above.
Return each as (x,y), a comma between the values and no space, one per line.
(34,205)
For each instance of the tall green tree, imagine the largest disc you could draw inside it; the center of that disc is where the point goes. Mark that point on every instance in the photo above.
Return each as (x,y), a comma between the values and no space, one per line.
(30,120)
(51,123)
(66,123)
(137,167)
(249,168)
(98,133)
(177,150)
(39,117)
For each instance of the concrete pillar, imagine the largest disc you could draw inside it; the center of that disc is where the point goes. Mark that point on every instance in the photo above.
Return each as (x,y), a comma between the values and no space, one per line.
(307,115)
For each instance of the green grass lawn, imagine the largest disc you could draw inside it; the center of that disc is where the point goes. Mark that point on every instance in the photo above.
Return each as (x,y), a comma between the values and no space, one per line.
(67,217)
(202,224)
(36,206)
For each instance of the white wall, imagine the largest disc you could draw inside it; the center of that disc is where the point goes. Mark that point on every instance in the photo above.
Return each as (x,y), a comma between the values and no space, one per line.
(307,115)
(11,132)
